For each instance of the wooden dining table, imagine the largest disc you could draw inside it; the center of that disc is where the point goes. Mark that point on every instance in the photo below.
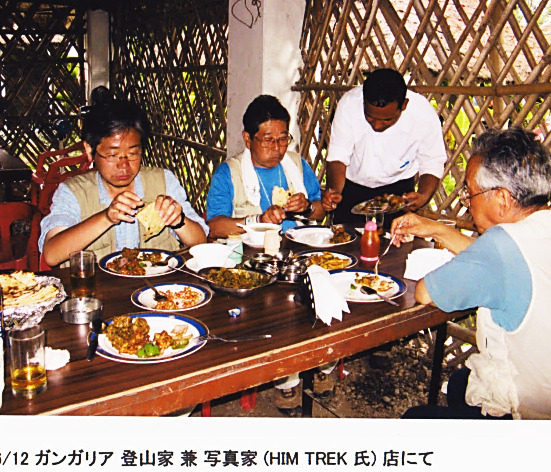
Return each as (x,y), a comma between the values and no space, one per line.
(298,343)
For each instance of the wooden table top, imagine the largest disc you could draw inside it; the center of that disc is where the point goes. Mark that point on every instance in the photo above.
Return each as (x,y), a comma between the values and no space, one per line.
(105,387)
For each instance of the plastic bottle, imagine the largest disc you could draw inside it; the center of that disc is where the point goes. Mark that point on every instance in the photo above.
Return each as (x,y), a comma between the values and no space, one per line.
(370,244)
(236,243)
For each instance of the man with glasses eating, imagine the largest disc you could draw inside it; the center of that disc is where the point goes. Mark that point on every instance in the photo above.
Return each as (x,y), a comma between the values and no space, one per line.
(96,211)
(505,273)
(242,192)
(242,187)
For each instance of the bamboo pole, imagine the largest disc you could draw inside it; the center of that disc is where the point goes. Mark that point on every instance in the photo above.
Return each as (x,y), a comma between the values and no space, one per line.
(474,90)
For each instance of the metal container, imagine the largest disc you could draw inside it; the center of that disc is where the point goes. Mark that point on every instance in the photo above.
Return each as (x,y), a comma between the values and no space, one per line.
(272,267)
(81,310)
(263,279)
(260,258)
(293,273)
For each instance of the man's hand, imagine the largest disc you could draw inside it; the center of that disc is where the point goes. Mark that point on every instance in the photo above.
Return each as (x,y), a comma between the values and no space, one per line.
(412,224)
(415,200)
(169,210)
(330,199)
(275,214)
(123,207)
(297,203)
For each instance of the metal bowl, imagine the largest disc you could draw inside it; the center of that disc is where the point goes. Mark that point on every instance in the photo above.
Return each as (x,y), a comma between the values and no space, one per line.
(273,267)
(260,258)
(263,279)
(293,273)
(81,310)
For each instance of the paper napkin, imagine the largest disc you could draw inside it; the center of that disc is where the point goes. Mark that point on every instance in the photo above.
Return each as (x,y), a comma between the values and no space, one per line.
(422,261)
(329,302)
(56,358)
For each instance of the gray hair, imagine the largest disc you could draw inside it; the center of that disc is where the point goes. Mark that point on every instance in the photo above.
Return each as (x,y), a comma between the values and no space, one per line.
(515,160)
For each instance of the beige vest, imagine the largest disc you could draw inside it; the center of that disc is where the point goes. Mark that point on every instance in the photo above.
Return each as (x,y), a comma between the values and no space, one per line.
(85,189)
(241,205)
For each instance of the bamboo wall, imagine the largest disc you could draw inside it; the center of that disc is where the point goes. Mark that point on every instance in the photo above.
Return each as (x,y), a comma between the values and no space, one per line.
(41,75)
(172,59)
(482,63)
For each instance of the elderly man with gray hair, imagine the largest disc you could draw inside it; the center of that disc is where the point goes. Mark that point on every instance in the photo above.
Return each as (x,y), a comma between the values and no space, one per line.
(506,273)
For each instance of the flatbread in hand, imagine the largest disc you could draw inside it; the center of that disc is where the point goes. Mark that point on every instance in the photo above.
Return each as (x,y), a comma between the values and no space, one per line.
(280,196)
(149,217)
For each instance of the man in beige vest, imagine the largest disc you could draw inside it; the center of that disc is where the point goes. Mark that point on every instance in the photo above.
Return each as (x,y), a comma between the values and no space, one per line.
(242,187)
(96,211)
(242,191)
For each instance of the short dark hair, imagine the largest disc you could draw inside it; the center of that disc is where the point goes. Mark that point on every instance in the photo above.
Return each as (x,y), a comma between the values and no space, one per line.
(264,108)
(108,115)
(384,86)
(514,159)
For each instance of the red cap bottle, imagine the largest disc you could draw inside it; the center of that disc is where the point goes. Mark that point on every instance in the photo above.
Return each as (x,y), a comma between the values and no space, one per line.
(370,244)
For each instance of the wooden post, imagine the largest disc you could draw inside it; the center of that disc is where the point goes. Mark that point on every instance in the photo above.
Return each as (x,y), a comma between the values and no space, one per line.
(263,57)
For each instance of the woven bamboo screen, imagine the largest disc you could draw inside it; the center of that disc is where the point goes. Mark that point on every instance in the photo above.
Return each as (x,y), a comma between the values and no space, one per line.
(172,59)
(482,63)
(41,75)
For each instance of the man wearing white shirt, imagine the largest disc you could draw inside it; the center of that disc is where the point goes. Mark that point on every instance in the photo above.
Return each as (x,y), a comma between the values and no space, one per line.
(382,137)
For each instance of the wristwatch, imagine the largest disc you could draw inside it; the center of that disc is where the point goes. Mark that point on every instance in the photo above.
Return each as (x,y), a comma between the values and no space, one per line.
(182,222)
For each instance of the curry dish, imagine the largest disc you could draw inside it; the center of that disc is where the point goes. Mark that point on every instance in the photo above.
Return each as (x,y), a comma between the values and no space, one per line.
(237,278)
(132,261)
(339,236)
(386,202)
(129,335)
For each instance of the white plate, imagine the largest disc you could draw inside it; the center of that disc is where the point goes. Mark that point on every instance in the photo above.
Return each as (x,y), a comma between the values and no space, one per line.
(344,278)
(150,271)
(157,323)
(315,236)
(249,243)
(193,264)
(144,297)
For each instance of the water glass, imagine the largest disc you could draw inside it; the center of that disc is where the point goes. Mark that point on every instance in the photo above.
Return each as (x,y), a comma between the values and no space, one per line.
(450,223)
(27,361)
(83,274)
(377,215)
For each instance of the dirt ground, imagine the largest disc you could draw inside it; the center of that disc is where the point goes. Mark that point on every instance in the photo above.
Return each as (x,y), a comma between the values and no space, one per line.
(382,383)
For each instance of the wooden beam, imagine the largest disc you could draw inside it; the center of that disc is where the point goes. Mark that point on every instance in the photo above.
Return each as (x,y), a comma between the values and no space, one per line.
(485,91)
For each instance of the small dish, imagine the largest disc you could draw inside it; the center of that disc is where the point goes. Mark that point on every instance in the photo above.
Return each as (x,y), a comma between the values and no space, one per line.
(80,310)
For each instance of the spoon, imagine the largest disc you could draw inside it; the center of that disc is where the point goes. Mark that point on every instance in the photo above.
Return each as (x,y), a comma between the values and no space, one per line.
(371,291)
(158,296)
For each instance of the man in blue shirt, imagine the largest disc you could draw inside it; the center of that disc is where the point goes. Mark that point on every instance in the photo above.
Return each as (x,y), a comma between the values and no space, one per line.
(505,273)
(242,187)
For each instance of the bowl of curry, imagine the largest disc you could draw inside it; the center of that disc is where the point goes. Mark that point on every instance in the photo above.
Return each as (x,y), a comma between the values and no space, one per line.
(237,282)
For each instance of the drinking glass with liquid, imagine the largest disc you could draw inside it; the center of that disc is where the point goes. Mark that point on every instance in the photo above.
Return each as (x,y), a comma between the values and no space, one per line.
(83,274)
(27,361)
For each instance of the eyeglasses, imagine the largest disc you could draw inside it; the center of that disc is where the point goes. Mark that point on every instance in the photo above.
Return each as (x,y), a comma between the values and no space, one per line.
(270,142)
(112,158)
(465,197)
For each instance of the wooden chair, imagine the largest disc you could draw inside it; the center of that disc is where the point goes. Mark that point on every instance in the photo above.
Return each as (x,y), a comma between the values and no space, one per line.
(19,251)
(46,180)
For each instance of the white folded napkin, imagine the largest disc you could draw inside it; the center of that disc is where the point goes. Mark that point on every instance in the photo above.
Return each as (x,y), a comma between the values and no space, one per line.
(329,302)
(422,261)
(56,358)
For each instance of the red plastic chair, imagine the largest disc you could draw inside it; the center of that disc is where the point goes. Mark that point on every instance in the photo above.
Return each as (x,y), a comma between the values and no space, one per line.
(19,252)
(46,180)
